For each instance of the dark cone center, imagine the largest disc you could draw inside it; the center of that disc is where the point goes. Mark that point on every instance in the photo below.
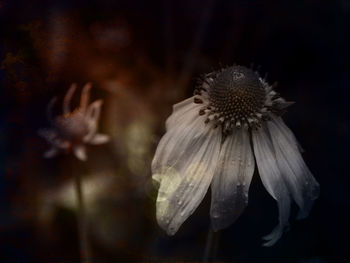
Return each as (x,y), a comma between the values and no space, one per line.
(237,93)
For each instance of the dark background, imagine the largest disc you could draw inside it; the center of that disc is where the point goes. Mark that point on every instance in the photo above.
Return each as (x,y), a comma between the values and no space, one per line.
(142,57)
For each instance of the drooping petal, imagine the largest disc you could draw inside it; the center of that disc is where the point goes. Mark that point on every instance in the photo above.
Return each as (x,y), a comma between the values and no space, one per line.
(288,134)
(184,166)
(231,180)
(99,139)
(94,110)
(52,152)
(169,147)
(297,176)
(67,99)
(179,110)
(80,152)
(92,116)
(272,180)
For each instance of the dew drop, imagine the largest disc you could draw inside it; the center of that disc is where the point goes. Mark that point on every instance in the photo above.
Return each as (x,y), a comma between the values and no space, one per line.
(216,215)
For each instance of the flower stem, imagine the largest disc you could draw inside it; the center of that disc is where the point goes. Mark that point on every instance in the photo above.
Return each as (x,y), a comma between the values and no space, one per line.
(211,246)
(85,253)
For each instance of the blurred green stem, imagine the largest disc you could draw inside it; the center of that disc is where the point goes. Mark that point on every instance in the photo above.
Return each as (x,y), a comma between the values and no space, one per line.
(85,253)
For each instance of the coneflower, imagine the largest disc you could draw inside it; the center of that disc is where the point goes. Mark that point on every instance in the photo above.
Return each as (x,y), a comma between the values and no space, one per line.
(216,137)
(73,129)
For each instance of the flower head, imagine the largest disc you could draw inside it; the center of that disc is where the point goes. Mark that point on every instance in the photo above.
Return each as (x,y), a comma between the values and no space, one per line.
(217,137)
(73,129)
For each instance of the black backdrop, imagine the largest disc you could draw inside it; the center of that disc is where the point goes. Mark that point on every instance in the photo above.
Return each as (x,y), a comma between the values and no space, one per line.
(158,48)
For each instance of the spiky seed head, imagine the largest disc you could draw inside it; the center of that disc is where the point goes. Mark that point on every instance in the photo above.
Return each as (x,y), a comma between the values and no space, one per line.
(237,93)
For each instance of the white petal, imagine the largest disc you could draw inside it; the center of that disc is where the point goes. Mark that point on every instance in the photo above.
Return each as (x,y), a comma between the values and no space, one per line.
(296,175)
(286,131)
(92,126)
(231,180)
(184,166)
(179,110)
(68,97)
(272,180)
(93,111)
(80,152)
(51,153)
(99,139)
(85,96)
(92,116)
(169,145)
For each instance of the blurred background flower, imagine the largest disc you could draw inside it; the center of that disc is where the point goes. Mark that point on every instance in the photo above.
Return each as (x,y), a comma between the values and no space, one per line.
(142,57)
(71,130)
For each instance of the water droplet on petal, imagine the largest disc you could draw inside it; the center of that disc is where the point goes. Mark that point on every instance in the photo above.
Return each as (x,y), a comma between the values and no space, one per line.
(216,215)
